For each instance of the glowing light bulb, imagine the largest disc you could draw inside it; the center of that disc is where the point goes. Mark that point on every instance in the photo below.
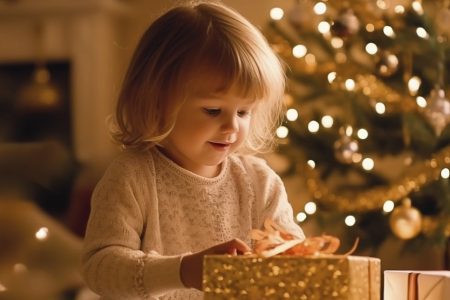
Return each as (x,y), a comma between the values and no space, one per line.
(417,6)
(350,84)
(388,31)
(350,220)
(422,33)
(388,206)
(337,42)
(310,208)
(292,114)
(42,234)
(327,121)
(313,126)
(399,9)
(282,132)
(371,48)
(414,85)
(380,108)
(299,51)
(362,134)
(368,164)
(421,101)
(320,8)
(445,173)
(311,163)
(324,27)
(370,27)
(301,217)
(276,13)
(331,77)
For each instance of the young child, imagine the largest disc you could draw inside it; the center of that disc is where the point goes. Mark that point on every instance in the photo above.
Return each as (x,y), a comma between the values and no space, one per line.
(203,92)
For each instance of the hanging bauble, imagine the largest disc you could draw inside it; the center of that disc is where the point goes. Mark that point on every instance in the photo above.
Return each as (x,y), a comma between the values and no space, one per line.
(443,21)
(346,24)
(406,221)
(387,64)
(345,148)
(438,110)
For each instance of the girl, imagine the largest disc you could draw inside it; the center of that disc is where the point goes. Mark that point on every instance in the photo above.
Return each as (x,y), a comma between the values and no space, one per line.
(203,91)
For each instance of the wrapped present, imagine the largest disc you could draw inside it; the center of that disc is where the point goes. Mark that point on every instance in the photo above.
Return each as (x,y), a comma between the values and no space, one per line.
(291,277)
(416,285)
(282,267)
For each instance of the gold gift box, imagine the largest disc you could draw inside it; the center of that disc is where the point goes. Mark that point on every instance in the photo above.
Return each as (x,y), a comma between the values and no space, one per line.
(291,277)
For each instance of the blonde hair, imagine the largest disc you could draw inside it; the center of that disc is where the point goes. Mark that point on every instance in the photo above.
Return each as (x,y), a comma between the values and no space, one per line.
(198,36)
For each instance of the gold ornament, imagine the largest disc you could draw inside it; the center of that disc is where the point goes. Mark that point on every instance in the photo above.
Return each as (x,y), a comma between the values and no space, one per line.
(438,110)
(406,221)
(387,64)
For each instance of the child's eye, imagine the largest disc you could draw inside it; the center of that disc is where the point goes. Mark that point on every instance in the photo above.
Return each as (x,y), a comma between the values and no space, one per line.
(243,113)
(212,111)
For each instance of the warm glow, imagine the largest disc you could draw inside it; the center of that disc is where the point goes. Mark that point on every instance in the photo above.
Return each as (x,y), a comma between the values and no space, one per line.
(323,27)
(311,163)
(368,164)
(327,121)
(350,84)
(417,6)
(313,126)
(399,9)
(276,13)
(331,77)
(350,220)
(320,8)
(310,208)
(282,132)
(42,234)
(299,51)
(371,48)
(337,42)
(380,108)
(292,114)
(388,31)
(381,4)
(310,59)
(422,33)
(388,206)
(370,27)
(362,134)
(414,84)
(445,173)
(421,102)
(301,216)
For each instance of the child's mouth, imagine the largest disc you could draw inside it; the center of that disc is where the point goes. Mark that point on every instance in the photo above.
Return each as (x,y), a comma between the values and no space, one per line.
(220,146)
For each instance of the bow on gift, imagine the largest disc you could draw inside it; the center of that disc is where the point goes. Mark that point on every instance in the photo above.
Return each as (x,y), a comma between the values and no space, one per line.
(275,240)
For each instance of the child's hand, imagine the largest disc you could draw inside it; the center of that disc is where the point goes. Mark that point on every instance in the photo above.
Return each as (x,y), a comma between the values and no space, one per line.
(191,269)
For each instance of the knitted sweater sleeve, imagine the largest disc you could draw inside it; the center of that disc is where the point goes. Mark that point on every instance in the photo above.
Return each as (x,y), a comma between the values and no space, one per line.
(112,263)
(271,196)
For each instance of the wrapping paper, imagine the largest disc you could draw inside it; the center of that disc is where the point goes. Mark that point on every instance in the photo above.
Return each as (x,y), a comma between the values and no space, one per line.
(291,277)
(416,285)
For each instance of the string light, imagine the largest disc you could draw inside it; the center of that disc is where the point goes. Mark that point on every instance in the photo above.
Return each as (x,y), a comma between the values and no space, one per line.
(311,163)
(327,121)
(362,134)
(381,4)
(299,51)
(421,102)
(320,8)
(350,84)
(42,234)
(417,6)
(313,126)
(380,108)
(310,208)
(399,9)
(337,42)
(445,173)
(422,33)
(276,13)
(324,27)
(292,114)
(368,164)
(301,217)
(388,31)
(350,220)
(331,77)
(371,48)
(370,27)
(414,85)
(388,206)
(282,132)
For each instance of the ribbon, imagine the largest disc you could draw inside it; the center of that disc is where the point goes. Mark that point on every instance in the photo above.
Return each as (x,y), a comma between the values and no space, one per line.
(275,239)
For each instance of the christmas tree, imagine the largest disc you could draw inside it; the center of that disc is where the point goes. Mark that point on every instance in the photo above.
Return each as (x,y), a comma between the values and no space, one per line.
(367,115)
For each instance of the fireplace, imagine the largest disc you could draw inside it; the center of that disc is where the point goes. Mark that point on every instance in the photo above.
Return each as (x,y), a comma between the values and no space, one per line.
(77,44)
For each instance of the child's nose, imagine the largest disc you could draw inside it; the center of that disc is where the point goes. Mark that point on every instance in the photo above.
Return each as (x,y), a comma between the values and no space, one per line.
(230,123)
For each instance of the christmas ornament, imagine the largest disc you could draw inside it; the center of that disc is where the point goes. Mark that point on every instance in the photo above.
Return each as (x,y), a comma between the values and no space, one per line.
(438,110)
(387,64)
(346,24)
(406,221)
(345,148)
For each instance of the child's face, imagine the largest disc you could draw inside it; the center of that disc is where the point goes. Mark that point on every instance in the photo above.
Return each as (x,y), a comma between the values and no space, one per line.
(209,127)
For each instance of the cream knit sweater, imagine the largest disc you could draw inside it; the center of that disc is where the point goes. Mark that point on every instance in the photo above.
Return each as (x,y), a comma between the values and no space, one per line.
(147,211)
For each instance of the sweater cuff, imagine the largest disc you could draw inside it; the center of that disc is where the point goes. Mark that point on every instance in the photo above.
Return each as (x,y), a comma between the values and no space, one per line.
(162,274)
